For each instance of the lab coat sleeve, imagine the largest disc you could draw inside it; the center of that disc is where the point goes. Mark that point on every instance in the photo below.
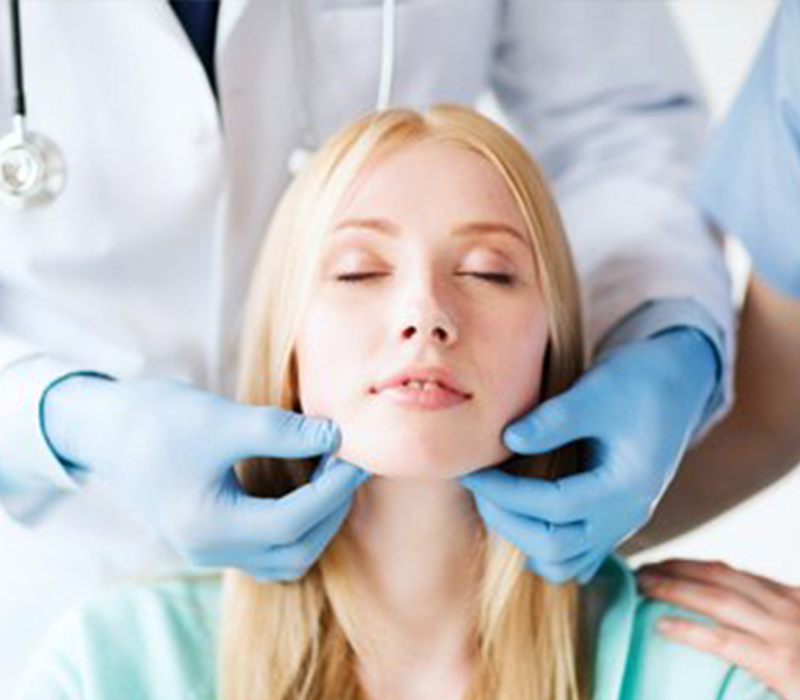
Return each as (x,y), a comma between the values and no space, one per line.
(31,476)
(750,178)
(604,96)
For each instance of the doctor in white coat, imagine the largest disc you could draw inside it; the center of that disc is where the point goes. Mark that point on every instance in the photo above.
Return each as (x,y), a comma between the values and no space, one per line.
(120,299)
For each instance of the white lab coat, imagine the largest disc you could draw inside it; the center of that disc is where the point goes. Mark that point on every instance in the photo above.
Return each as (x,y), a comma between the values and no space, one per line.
(141,267)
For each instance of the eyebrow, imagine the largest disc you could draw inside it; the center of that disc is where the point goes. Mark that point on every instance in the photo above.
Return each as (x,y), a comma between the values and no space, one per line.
(473,228)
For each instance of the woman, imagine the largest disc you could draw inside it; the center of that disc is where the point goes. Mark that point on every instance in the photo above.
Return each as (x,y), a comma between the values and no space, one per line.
(416,288)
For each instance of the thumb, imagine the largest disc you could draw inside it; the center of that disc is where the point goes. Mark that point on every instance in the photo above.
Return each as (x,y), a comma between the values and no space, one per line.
(329,462)
(268,431)
(553,424)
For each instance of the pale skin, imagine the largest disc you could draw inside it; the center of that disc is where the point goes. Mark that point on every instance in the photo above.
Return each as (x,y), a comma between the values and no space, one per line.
(424,304)
(755,621)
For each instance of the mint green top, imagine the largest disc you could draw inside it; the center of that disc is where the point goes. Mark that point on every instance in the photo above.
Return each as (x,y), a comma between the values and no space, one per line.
(157,640)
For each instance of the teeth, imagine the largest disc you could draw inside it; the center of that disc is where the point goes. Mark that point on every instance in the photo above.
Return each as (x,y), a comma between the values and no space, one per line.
(420,385)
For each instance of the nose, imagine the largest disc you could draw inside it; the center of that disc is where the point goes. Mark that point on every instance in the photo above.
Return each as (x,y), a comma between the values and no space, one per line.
(428,322)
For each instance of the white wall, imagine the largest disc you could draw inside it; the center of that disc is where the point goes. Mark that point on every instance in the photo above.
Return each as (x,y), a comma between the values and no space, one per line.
(723,36)
(760,535)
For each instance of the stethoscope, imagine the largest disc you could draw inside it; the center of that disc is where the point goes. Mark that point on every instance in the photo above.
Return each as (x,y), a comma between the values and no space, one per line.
(33,170)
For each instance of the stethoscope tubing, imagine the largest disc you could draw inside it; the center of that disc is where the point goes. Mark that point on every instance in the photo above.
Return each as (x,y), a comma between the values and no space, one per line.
(16,61)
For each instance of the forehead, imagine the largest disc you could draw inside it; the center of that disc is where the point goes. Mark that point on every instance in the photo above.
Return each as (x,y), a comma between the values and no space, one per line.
(432,182)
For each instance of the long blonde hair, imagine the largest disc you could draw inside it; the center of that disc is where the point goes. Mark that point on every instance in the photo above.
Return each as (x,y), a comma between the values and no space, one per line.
(299,640)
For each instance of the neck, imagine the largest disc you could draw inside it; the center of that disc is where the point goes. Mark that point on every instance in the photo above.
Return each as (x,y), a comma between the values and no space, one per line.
(415,546)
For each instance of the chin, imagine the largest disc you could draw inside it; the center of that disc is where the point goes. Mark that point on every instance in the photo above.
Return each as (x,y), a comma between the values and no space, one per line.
(413,454)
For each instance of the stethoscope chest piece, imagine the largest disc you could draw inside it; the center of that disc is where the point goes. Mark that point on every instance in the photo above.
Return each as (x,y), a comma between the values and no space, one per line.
(32,169)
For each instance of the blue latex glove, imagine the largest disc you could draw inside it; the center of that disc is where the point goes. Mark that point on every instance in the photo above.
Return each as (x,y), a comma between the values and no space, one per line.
(638,407)
(165,450)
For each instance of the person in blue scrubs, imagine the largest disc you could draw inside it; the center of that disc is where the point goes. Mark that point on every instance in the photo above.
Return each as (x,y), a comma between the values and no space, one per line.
(749,185)
(749,182)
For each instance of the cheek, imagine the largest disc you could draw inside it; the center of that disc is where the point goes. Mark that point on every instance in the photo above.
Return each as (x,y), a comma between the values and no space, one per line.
(331,353)
(502,352)
(514,353)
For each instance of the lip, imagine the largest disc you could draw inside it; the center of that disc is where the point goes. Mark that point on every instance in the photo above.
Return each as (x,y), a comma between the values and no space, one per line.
(446,392)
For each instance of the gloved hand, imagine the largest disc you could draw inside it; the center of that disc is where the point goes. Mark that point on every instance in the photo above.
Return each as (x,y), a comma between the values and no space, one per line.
(638,407)
(166,451)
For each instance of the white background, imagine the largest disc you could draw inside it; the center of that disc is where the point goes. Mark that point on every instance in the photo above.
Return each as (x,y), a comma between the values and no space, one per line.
(763,534)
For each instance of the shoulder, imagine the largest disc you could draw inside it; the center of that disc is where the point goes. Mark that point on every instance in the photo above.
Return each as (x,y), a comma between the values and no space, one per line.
(650,665)
(129,640)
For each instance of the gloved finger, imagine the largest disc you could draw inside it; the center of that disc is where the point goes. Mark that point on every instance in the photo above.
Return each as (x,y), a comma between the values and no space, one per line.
(267,431)
(330,461)
(302,554)
(589,571)
(283,521)
(560,572)
(535,538)
(559,501)
(275,575)
(557,422)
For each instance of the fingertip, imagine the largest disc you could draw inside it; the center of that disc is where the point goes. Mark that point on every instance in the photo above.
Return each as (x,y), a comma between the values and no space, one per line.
(355,473)
(475,481)
(331,435)
(585,578)
(482,503)
(467,481)
(324,432)
(487,510)
(362,476)
(344,470)
(517,436)
(534,435)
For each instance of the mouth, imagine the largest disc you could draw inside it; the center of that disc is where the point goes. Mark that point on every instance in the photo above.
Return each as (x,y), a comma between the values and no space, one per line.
(426,389)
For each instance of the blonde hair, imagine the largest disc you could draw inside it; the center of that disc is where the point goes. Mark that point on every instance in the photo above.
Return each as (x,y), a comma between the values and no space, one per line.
(299,640)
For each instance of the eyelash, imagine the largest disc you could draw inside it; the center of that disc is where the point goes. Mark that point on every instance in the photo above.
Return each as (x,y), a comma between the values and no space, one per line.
(498,278)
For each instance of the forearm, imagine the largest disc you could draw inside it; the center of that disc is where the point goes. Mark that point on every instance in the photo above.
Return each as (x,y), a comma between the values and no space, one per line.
(759,440)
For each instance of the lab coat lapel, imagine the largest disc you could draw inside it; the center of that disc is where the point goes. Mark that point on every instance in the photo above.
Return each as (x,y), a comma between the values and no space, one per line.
(196,94)
(231,13)
(257,88)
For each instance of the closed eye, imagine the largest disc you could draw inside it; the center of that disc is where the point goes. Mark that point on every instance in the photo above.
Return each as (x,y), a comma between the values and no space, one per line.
(359,276)
(500,278)
(494,277)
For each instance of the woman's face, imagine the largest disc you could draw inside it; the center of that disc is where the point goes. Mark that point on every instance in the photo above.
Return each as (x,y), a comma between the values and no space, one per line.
(428,265)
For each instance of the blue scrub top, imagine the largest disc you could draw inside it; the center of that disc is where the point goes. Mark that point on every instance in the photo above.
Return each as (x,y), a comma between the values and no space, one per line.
(749,182)
(159,640)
